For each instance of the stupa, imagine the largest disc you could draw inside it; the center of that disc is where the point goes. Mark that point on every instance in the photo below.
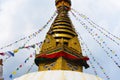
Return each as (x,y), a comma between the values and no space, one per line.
(60,57)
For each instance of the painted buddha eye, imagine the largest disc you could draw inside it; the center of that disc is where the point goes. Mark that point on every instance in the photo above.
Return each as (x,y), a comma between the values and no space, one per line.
(48,67)
(69,65)
(52,64)
(73,68)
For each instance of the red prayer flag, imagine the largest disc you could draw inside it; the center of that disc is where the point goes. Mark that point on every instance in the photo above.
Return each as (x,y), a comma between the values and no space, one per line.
(20,66)
(2,54)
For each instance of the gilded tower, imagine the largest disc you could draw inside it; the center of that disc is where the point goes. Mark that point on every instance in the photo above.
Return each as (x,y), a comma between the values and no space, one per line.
(61,48)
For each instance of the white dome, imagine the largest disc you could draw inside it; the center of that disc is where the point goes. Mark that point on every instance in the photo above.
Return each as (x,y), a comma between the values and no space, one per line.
(58,75)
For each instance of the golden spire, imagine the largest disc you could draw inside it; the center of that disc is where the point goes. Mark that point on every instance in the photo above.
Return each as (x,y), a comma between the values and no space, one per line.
(62,27)
(61,49)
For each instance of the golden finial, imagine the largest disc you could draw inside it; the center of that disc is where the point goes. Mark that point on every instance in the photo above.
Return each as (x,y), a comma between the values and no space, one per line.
(63,4)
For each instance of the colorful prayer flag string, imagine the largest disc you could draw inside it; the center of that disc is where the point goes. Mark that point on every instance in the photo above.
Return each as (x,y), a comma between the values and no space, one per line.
(90,53)
(103,33)
(13,43)
(104,29)
(93,67)
(89,31)
(32,35)
(91,64)
(13,52)
(98,27)
(25,61)
(36,33)
(21,65)
(102,42)
(30,68)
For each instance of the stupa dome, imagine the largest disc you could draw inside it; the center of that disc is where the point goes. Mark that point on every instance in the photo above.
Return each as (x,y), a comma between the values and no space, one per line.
(58,75)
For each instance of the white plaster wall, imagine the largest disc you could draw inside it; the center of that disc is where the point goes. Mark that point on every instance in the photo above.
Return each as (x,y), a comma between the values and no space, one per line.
(58,75)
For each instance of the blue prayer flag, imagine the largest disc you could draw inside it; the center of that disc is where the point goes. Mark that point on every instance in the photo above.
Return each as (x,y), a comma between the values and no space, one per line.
(11,53)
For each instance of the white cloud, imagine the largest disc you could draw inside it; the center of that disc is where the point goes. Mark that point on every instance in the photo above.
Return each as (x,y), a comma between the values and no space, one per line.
(8,10)
(115,3)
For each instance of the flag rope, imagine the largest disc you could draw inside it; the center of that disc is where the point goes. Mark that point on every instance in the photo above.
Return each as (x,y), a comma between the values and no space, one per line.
(100,44)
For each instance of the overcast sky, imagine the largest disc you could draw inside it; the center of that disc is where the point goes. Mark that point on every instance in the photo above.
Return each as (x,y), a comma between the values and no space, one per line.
(20,18)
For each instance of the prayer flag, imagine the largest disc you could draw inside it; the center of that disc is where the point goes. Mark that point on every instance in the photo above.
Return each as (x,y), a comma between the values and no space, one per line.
(2,54)
(11,53)
(15,51)
(11,76)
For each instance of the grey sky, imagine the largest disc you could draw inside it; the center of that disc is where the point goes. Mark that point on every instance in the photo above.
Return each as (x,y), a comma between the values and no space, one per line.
(19,18)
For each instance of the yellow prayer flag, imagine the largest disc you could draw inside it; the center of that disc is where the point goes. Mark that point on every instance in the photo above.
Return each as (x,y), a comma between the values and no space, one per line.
(15,51)
(14,72)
